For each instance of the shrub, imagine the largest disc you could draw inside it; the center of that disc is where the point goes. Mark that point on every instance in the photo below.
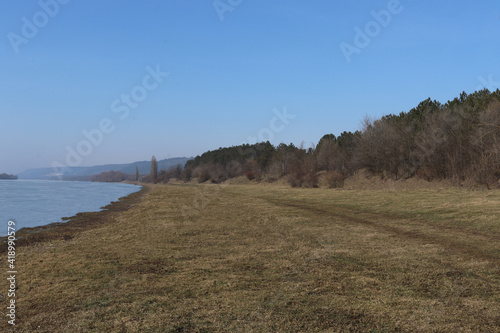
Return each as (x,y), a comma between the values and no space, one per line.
(302,169)
(186,174)
(250,175)
(310,179)
(217,173)
(234,169)
(110,176)
(203,177)
(166,175)
(201,173)
(214,172)
(334,179)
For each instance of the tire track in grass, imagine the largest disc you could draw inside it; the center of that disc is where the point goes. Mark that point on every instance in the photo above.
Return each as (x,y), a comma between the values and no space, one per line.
(375,220)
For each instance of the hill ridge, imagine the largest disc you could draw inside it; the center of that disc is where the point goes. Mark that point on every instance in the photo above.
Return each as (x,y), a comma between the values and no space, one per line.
(86,171)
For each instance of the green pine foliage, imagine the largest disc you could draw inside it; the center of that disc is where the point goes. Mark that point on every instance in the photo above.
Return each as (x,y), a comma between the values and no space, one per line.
(457,140)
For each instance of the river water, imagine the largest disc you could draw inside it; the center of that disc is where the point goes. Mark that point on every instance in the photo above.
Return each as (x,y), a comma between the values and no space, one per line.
(32,203)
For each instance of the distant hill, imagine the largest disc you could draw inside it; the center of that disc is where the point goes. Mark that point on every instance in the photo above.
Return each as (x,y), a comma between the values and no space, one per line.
(84,173)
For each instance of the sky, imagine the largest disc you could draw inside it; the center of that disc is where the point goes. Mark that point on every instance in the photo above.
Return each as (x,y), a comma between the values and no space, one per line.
(96,82)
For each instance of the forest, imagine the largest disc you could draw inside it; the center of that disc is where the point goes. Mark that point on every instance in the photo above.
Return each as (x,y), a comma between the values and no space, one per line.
(459,140)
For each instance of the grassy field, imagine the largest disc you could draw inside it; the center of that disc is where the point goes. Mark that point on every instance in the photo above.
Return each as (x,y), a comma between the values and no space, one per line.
(262,258)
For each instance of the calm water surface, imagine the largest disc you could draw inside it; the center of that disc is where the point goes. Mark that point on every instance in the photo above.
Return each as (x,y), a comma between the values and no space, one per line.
(32,203)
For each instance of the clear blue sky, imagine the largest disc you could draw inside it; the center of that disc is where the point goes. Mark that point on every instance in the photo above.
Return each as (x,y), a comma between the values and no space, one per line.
(226,76)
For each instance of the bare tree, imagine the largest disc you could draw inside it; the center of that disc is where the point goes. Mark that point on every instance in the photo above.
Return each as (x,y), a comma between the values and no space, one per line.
(486,146)
(136,173)
(154,168)
(302,169)
(436,151)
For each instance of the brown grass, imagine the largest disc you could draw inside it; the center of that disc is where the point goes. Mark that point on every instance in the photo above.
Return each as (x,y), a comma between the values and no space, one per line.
(262,258)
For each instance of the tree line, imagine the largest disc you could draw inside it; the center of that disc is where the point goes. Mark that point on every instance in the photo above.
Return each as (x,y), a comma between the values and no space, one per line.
(459,140)
(7,176)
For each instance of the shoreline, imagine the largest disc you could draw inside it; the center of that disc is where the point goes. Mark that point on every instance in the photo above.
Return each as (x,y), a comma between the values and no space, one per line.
(77,223)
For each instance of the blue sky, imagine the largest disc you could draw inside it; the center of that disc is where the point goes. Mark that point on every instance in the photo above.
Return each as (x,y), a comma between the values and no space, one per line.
(231,70)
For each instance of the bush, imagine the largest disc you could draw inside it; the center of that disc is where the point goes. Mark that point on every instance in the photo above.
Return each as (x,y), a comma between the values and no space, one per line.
(213,172)
(250,175)
(186,174)
(166,175)
(201,173)
(217,173)
(203,177)
(302,170)
(234,169)
(334,179)
(310,179)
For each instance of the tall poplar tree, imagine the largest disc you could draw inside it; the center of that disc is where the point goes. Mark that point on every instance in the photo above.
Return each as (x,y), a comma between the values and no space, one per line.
(154,168)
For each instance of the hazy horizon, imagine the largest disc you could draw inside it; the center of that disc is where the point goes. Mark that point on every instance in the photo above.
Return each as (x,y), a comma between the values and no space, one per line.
(96,165)
(119,81)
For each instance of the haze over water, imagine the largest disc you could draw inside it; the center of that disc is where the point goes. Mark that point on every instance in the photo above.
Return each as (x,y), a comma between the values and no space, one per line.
(32,203)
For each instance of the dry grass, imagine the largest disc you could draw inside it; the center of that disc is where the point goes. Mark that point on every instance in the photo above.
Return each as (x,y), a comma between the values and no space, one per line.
(261,258)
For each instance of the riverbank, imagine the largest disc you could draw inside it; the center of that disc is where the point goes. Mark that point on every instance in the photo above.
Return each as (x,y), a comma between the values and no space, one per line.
(210,258)
(75,224)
